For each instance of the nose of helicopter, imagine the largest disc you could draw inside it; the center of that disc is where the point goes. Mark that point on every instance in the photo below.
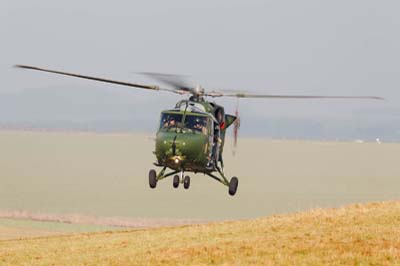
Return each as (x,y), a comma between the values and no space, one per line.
(177,149)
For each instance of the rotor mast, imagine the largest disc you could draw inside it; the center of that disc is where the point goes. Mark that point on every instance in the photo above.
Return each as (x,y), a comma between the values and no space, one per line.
(197,94)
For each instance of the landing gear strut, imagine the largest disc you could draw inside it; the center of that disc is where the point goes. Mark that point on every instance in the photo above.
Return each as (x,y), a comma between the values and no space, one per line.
(232,185)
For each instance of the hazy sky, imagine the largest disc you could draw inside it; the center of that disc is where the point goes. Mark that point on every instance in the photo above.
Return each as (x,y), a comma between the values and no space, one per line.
(286,47)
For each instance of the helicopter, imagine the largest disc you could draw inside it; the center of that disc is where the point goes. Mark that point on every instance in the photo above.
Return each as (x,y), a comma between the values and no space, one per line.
(191,135)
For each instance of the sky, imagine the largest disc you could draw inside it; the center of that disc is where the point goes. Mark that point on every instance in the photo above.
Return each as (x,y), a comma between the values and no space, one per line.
(277,47)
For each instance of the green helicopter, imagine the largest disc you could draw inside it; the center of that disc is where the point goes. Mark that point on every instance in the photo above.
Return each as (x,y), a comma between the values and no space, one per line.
(191,135)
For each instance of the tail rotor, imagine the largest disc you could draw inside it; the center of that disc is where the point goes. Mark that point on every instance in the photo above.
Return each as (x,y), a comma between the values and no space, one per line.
(236,127)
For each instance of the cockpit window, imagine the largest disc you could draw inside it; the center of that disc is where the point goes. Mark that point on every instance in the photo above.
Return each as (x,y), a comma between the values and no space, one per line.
(170,120)
(192,123)
(196,123)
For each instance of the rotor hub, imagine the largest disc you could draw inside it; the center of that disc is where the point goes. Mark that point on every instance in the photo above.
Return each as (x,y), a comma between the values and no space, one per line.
(198,90)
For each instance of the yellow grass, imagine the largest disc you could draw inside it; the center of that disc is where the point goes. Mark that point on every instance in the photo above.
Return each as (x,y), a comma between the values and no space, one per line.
(354,235)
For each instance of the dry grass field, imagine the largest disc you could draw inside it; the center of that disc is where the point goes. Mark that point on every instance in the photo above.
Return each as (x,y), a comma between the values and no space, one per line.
(354,235)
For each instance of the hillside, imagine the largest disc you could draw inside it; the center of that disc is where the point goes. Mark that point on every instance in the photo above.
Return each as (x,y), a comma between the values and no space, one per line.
(353,235)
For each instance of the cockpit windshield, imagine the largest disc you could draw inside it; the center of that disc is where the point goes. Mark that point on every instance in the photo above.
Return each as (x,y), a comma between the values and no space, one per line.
(192,123)
(170,120)
(196,123)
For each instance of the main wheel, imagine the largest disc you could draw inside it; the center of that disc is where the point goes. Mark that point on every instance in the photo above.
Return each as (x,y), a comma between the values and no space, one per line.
(233,184)
(175,183)
(152,178)
(186,182)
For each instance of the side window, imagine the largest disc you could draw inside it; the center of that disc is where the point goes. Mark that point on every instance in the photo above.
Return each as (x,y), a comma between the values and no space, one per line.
(163,120)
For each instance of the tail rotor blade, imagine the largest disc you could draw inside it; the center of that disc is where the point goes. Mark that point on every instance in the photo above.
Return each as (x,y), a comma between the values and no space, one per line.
(236,127)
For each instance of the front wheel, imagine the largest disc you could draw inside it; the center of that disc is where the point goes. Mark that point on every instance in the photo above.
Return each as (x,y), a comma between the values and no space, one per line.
(186,182)
(233,184)
(152,178)
(175,182)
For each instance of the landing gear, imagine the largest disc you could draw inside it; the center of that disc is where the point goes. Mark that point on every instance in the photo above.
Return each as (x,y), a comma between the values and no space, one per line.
(152,178)
(180,178)
(176,181)
(233,184)
(186,182)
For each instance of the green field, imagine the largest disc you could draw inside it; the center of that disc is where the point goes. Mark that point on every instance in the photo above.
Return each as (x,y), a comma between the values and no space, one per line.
(354,235)
(105,175)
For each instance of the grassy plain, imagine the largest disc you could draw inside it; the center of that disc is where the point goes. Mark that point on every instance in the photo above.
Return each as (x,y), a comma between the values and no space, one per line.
(105,175)
(353,235)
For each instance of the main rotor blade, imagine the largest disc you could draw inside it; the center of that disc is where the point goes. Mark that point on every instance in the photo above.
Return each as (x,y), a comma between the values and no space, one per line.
(272,96)
(122,83)
(169,79)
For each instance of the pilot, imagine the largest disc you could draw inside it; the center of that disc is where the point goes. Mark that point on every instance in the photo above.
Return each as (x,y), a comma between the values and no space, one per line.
(200,127)
(170,123)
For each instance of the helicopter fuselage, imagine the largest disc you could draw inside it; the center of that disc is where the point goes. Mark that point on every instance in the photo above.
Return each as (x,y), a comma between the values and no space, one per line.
(190,136)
